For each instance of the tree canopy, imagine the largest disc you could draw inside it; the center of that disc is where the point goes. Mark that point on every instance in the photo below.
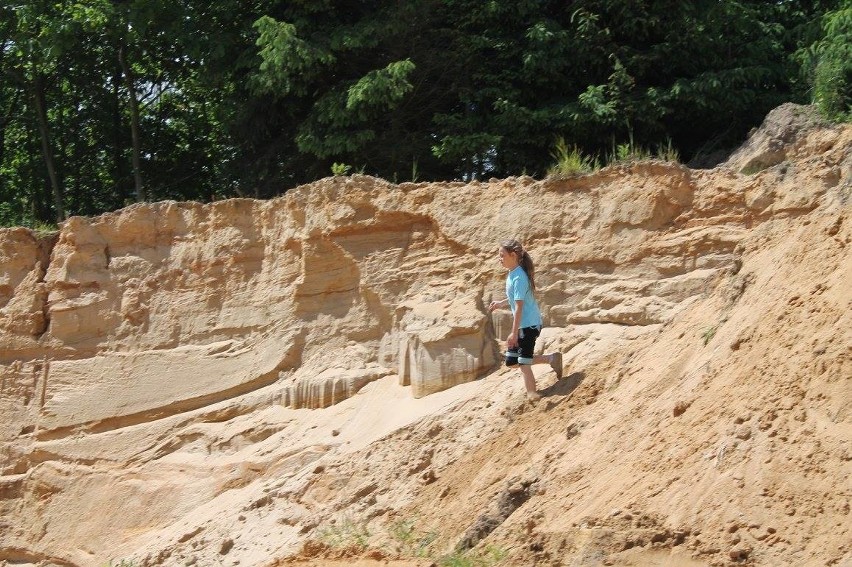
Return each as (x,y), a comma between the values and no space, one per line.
(108,102)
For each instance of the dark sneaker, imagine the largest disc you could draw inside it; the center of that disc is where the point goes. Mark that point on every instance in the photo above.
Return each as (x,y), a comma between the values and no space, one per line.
(556,365)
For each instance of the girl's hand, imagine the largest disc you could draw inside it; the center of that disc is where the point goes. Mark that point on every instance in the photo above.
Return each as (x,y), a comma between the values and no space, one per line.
(512,340)
(494,305)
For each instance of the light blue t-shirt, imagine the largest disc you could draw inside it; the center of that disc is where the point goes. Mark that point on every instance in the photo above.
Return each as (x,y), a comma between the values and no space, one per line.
(518,287)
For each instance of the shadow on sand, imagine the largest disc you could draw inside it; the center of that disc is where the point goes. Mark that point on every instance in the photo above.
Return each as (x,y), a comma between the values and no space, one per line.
(562,388)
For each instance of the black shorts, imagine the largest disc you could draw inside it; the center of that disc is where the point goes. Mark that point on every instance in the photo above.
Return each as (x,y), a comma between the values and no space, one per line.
(525,351)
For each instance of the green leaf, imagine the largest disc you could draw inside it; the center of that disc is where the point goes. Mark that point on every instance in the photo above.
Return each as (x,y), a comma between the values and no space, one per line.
(287,61)
(381,88)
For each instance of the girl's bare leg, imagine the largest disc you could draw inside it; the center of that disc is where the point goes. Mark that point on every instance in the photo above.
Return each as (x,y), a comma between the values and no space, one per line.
(529,379)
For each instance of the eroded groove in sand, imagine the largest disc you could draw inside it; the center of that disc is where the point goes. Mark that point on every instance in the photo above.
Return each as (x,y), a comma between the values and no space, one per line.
(16,555)
(146,416)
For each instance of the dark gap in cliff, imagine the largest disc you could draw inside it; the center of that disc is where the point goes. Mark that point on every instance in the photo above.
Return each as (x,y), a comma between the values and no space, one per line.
(46,244)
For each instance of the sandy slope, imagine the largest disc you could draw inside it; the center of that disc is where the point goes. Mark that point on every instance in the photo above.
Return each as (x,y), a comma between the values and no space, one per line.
(156,383)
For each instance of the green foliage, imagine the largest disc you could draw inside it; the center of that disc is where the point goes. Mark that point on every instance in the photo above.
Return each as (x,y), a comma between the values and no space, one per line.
(44,228)
(412,542)
(345,533)
(9,216)
(286,58)
(629,151)
(753,168)
(667,152)
(708,334)
(249,98)
(417,544)
(486,558)
(403,531)
(340,168)
(382,88)
(828,63)
(570,161)
(65,53)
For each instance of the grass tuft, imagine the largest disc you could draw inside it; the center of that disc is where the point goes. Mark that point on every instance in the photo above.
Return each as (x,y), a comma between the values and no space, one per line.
(667,152)
(486,558)
(410,540)
(346,533)
(570,161)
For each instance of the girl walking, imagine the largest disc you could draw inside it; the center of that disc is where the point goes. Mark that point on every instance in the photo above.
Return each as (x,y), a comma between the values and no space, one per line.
(526,317)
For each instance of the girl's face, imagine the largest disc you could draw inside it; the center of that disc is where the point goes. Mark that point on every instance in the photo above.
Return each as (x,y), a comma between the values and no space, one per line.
(508,258)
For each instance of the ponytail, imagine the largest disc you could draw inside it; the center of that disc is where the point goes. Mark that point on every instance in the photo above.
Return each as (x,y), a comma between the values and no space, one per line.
(524,259)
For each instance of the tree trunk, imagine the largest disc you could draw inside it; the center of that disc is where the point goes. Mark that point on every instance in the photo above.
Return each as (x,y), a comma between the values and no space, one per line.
(4,123)
(44,131)
(118,166)
(134,122)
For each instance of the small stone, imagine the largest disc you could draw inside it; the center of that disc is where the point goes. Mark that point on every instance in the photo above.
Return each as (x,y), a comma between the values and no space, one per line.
(680,407)
(226,546)
(739,552)
(743,432)
(428,477)
(573,431)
